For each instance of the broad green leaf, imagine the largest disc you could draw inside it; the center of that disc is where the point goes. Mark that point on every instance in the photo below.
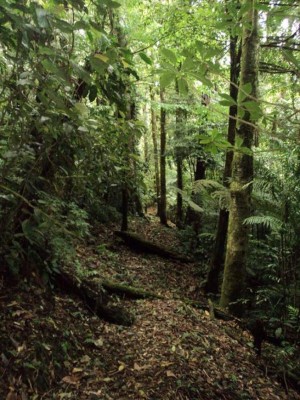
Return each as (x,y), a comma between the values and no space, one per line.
(229,99)
(63,26)
(205,141)
(42,17)
(238,142)
(81,108)
(200,77)
(225,103)
(98,65)
(125,63)
(102,57)
(240,113)
(166,79)
(145,58)
(182,86)
(188,65)
(165,66)
(254,109)
(244,91)
(169,55)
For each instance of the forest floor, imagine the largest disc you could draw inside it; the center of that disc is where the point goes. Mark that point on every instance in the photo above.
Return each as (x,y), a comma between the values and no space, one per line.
(53,347)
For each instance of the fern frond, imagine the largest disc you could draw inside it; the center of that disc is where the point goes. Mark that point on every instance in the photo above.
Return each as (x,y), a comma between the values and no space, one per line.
(214,190)
(208,184)
(266,220)
(189,201)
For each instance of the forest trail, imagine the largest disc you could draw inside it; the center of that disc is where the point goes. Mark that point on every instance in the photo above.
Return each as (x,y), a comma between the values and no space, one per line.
(54,348)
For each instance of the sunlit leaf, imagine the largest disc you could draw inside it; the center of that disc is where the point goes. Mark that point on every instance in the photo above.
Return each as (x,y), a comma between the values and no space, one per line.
(101,57)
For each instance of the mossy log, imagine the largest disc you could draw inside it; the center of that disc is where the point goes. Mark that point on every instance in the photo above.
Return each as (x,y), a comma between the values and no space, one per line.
(94,298)
(135,242)
(129,292)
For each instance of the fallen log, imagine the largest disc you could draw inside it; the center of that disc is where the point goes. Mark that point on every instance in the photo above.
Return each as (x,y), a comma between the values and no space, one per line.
(127,291)
(138,244)
(94,298)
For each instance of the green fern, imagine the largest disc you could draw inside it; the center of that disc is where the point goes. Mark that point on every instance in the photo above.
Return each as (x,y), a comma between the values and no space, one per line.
(214,190)
(268,221)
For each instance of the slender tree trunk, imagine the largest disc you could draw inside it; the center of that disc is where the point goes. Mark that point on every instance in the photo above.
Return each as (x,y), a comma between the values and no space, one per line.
(242,170)
(179,162)
(216,265)
(145,137)
(179,203)
(155,150)
(163,140)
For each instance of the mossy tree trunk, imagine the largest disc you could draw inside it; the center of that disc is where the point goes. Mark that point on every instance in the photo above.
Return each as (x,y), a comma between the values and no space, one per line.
(163,140)
(242,168)
(155,148)
(217,260)
(180,118)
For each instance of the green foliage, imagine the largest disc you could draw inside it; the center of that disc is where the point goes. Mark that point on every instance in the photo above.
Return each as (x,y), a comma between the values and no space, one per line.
(54,140)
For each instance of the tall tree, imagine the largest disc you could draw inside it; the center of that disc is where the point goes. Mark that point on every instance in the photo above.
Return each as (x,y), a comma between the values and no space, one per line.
(180,117)
(163,140)
(155,148)
(212,283)
(242,171)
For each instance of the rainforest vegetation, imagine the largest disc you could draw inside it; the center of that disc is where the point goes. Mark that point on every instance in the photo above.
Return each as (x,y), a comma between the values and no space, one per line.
(148,130)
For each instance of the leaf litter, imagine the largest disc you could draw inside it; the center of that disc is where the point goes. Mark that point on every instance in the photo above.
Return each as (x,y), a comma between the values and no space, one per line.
(52,347)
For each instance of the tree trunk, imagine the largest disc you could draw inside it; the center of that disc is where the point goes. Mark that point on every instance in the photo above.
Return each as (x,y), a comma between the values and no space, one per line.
(179,161)
(179,203)
(242,170)
(155,150)
(212,283)
(145,138)
(163,139)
